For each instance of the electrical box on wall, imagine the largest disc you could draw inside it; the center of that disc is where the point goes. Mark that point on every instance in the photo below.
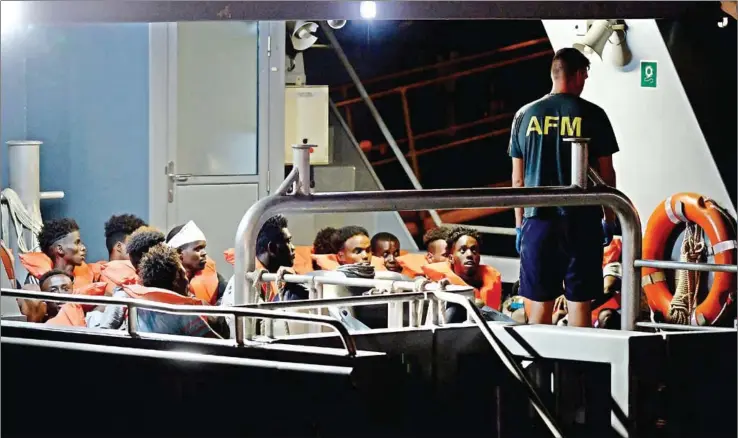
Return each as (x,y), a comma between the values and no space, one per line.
(306,117)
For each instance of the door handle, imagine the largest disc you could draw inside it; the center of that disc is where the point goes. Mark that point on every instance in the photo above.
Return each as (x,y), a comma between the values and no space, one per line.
(179,177)
(175,178)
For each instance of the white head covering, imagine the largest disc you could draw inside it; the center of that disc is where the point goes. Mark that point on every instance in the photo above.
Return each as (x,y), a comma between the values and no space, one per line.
(615,269)
(188,234)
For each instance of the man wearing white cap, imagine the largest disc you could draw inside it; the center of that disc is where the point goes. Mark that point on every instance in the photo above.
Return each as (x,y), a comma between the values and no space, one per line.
(190,242)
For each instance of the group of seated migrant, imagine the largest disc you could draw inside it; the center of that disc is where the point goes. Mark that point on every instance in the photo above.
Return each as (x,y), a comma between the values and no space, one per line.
(351,251)
(451,252)
(142,263)
(145,264)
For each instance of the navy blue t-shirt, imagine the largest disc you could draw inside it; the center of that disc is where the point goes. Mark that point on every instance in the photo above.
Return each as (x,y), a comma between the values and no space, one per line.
(537,137)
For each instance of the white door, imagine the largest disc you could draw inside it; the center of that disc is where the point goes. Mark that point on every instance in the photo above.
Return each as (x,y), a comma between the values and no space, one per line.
(213,172)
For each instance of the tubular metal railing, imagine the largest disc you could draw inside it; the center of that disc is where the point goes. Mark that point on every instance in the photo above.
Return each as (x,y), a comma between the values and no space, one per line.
(394,200)
(133,304)
(423,289)
(506,357)
(702,267)
(185,356)
(441,199)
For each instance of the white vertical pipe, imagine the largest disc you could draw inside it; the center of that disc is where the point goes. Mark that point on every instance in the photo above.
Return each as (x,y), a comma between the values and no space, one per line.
(24,179)
(579,161)
(301,156)
(24,165)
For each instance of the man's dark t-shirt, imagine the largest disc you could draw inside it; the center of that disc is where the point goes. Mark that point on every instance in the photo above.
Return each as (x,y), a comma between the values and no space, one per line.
(537,137)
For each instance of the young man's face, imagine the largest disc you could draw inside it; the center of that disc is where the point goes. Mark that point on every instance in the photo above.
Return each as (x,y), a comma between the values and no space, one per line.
(284,251)
(465,257)
(181,283)
(71,249)
(56,284)
(194,256)
(389,250)
(357,249)
(120,251)
(436,251)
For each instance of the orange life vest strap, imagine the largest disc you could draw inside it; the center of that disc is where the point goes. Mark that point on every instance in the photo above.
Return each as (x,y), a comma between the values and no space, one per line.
(326,262)
(117,273)
(612,252)
(412,264)
(158,295)
(38,263)
(6,256)
(70,315)
(302,265)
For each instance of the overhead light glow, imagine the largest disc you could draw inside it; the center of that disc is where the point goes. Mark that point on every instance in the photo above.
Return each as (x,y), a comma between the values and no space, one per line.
(10,15)
(368,10)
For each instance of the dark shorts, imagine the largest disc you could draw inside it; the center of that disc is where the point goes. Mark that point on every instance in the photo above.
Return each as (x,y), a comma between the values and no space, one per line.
(561,254)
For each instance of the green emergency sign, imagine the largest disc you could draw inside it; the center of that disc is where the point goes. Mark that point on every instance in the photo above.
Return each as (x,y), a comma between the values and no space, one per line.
(649,72)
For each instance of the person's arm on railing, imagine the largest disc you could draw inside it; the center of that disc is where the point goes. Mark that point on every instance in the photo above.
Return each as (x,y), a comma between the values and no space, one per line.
(112,317)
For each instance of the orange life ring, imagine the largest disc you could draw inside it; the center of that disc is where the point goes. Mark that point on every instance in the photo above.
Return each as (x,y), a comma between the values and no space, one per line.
(682,208)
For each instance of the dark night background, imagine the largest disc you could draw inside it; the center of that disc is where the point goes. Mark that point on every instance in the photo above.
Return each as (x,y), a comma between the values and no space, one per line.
(378,48)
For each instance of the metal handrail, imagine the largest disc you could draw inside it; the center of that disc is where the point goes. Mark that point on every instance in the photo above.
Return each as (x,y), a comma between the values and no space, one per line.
(388,293)
(702,267)
(504,231)
(506,357)
(385,284)
(679,327)
(354,301)
(394,200)
(185,356)
(132,304)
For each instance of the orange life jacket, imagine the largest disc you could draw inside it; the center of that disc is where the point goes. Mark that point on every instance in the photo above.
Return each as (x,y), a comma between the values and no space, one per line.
(70,315)
(139,292)
(155,294)
(613,303)
(491,290)
(412,264)
(6,257)
(38,263)
(612,252)
(117,273)
(73,314)
(204,284)
(302,265)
